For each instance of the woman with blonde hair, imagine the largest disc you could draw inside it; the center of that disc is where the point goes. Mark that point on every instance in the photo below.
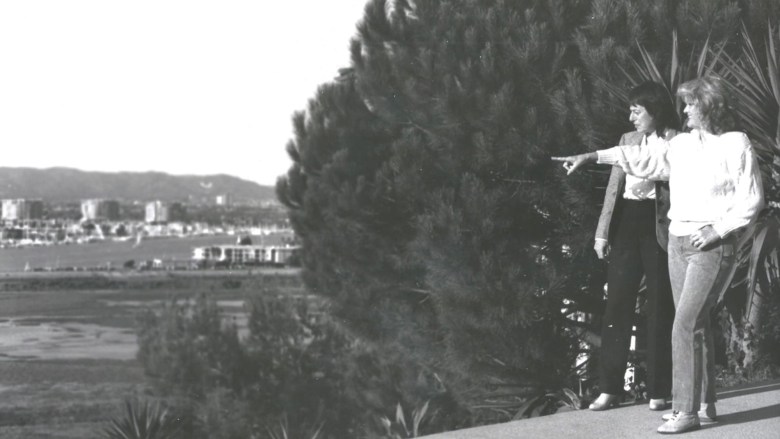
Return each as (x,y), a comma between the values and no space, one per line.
(715,189)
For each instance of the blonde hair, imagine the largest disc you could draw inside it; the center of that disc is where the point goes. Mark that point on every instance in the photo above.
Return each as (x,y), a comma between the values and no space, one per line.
(713,100)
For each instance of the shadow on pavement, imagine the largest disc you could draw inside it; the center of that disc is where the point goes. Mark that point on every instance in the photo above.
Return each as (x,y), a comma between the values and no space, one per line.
(768,412)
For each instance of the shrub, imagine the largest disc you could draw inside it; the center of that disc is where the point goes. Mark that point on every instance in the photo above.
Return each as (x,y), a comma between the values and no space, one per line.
(189,349)
(293,371)
(289,365)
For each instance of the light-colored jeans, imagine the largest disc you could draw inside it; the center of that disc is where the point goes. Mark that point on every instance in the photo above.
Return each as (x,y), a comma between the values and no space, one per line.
(698,277)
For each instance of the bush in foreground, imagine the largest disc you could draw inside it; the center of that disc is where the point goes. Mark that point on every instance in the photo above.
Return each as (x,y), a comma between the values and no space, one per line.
(292,371)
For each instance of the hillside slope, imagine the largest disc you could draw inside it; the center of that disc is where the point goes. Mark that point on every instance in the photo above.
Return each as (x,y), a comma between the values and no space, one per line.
(66,184)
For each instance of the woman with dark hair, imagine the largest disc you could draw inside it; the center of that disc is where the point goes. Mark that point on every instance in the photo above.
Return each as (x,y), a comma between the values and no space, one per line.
(716,192)
(633,232)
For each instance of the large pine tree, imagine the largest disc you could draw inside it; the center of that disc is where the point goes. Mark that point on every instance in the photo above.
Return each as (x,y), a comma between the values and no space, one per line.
(474,89)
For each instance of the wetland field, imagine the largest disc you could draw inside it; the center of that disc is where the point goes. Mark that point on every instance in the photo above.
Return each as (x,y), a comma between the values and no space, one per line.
(67,340)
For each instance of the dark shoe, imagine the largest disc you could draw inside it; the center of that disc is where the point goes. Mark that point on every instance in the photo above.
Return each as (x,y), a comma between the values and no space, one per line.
(707,415)
(680,422)
(658,404)
(604,402)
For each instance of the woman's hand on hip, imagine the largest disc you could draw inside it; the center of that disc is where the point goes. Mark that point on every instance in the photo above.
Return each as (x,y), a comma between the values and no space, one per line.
(704,237)
(602,248)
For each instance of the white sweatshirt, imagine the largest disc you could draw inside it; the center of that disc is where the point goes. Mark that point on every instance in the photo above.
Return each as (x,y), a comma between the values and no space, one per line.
(713,179)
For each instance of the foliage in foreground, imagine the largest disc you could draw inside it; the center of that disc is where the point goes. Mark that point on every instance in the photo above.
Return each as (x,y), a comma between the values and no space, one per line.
(292,373)
(144,420)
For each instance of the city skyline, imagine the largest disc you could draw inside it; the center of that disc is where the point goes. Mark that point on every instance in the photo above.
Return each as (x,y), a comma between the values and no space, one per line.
(180,87)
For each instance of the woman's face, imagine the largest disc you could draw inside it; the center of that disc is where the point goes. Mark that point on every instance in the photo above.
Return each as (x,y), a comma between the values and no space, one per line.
(642,120)
(693,113)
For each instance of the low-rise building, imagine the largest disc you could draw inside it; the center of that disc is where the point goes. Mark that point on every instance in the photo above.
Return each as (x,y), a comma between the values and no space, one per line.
(244,254)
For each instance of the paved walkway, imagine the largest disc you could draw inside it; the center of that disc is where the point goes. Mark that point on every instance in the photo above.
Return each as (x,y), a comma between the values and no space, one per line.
(747,412)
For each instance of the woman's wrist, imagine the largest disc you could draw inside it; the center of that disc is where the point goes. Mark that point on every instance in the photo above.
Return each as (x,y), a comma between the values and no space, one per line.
(590,157)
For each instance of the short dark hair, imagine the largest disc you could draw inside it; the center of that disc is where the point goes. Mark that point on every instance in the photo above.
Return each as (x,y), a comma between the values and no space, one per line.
(658,104)
(714,103)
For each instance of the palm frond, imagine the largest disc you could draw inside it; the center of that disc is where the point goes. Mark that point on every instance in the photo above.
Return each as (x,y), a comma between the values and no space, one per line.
(645,68)
(755,85)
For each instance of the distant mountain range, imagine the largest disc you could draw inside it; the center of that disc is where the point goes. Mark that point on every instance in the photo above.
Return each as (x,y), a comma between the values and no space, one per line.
(66,184)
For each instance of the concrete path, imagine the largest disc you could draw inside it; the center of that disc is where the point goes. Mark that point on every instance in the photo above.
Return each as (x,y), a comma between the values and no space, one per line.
(746,412)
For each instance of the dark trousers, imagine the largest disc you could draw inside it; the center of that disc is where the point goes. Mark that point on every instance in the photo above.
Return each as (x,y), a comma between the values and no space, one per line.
(634,252)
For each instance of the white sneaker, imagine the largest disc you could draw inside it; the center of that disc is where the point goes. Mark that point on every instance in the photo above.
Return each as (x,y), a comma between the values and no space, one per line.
(680,422)
(706,415)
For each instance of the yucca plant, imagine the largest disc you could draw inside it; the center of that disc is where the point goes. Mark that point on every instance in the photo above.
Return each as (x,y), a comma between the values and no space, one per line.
(144,420)
(755,83)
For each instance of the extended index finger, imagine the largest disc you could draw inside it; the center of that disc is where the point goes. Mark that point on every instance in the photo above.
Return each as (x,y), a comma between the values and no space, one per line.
(561,159)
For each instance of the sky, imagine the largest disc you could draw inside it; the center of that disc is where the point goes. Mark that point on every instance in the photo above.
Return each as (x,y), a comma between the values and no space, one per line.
(176,86)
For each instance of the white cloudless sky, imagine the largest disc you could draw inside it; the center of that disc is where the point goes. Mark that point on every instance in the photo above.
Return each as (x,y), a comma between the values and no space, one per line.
(177,86)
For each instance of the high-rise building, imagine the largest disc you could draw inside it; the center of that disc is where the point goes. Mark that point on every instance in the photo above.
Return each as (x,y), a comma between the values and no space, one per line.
(98,209)
(22,209)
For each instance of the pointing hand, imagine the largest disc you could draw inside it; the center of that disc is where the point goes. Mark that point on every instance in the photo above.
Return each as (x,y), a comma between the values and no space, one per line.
(574,162)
